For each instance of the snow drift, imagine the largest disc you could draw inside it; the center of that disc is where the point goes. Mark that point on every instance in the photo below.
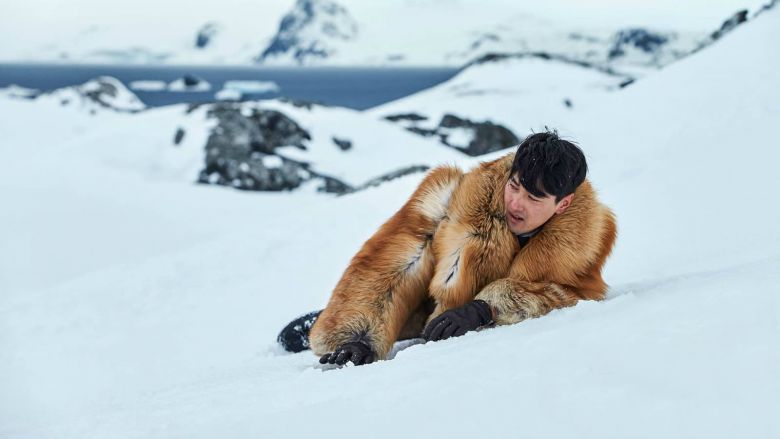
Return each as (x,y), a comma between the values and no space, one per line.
(137,305)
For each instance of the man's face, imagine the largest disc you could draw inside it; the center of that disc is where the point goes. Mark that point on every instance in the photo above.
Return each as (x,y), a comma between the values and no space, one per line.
(526,212)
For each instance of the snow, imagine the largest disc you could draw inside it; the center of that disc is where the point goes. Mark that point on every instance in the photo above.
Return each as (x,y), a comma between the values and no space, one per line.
(136,304)
(99,94)
(234,90)
(226,94)
(519,93)
(270,161)
(15,91)
(252,86)
(459,137)
(411,33)
(148,85)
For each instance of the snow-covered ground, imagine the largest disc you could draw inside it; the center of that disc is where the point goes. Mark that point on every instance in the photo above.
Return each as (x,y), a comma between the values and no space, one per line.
(520,93)
(349,32)
(135,304)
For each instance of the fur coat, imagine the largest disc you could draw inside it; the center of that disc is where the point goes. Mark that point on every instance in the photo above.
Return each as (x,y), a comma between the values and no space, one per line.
(450,244)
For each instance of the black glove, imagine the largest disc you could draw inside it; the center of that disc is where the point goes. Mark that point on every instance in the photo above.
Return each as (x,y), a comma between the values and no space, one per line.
(458,321)
(355,351)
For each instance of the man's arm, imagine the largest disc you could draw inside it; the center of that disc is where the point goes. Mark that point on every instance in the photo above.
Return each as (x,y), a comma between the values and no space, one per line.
(507,301)
(561,266)
(512,301)
(556,270)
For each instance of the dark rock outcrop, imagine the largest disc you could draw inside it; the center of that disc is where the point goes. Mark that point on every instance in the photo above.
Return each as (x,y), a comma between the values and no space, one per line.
(638,38)
(493,57)
(732,22)
(487,136)
(343,144)
(413,117)
(240,150)
(191,80)
(205,35)
(179,136)
(484,137)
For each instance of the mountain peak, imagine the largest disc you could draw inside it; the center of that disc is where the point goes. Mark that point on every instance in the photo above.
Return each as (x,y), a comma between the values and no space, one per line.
(308,32)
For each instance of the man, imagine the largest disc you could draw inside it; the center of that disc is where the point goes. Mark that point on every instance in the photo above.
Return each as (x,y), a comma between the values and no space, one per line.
(510,240)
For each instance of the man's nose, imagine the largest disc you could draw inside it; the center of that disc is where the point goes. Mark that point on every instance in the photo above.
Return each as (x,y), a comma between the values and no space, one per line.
(516,205)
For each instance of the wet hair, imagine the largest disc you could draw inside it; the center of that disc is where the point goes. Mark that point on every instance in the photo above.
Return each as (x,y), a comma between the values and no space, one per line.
(548,165)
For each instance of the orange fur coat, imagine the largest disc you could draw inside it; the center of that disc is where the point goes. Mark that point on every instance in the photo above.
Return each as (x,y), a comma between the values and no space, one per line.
(449,244)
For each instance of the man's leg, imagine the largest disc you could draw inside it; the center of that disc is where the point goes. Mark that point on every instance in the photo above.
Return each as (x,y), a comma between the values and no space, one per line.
(295,336)
(387,280)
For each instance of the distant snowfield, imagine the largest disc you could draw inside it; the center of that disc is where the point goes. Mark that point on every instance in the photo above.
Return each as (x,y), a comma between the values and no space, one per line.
(136,304)
(420,32)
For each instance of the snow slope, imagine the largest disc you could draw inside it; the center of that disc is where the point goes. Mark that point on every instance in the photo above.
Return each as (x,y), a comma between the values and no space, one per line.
(73,153)
(522,94)
(143,306)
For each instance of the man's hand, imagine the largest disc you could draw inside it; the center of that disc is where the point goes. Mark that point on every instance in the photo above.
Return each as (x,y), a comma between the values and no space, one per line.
(355,351)
(458,321)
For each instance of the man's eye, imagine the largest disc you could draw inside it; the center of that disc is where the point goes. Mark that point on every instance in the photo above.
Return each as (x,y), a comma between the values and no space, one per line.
(532,198)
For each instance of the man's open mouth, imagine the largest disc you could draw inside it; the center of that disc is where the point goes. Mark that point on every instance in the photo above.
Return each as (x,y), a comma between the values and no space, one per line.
(515,217)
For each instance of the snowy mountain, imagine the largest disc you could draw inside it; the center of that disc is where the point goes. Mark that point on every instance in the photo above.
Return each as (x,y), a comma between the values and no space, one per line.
(305,33)
(135,304)
(632,36)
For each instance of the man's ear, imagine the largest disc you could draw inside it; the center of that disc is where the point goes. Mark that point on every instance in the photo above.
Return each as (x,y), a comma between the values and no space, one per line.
(564,204)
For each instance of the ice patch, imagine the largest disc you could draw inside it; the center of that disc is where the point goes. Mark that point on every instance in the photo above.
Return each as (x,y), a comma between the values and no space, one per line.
(148,85)
(235,90)
(252,86)
(228,95)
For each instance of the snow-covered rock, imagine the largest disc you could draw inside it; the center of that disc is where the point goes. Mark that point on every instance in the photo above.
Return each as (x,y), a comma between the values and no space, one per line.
(97,94)
(239,151)
(470,137)
(638,42)
(189,83)
(274,145)
(206,34)
(16,92)
(310,32)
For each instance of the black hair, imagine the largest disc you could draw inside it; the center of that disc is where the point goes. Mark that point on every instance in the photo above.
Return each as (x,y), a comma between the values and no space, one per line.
(548,165)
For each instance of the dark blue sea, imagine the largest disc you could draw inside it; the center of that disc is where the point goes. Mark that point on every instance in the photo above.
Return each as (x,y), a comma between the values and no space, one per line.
(357,88)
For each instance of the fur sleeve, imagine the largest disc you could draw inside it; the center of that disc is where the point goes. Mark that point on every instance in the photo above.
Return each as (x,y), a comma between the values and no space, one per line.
(558,267)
